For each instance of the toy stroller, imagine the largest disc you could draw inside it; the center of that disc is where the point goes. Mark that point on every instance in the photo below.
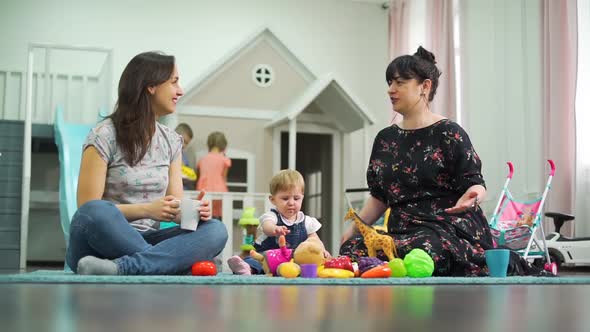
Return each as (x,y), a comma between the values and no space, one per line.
(515,224)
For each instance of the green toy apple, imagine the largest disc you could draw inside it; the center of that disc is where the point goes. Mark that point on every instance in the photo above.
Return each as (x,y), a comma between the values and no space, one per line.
(398,269)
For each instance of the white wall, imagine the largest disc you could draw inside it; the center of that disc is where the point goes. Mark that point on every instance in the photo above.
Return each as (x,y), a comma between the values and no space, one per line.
(346,38)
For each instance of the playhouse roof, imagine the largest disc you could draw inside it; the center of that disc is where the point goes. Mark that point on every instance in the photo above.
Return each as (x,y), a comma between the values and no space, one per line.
(231,57)
(343,109)
(337,105)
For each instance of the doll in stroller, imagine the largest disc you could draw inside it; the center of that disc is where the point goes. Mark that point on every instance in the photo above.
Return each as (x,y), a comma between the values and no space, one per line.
(518,224)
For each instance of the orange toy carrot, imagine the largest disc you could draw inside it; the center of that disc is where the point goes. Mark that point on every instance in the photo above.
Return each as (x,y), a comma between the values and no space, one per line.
(381,271)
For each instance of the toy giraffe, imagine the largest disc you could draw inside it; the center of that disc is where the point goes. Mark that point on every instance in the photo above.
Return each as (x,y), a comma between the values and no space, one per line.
(373,240)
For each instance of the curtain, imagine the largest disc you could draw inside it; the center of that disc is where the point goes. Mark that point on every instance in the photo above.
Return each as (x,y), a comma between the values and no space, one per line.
(399,13)
(582,208)
(434,18)
(440,41)
(559,56)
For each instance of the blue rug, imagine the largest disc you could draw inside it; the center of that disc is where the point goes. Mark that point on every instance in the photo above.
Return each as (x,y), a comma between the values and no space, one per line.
(60,277)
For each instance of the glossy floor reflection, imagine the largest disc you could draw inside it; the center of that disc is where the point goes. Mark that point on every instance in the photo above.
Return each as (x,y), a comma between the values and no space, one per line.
(67,308)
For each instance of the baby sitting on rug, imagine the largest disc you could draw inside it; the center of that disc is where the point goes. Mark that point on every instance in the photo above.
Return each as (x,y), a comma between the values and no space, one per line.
(286,194)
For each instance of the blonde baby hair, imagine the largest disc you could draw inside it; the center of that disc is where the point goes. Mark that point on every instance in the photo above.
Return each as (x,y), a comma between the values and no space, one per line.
(286,179)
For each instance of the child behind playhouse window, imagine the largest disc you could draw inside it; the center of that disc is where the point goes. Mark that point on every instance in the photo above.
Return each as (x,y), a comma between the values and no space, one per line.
(212,169)
(286,194)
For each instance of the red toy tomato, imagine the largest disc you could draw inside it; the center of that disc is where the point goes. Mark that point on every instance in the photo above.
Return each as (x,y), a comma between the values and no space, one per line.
(204,268)
(341,262)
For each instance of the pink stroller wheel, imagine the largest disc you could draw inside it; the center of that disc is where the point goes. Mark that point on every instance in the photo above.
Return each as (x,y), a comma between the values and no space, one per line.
(551,268)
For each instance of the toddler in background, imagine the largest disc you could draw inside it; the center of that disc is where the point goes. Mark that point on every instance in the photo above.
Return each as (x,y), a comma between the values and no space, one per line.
(188,173)
(213,168)
(286,194)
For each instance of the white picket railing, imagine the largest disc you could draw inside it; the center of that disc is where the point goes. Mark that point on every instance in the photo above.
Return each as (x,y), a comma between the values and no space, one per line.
(80,96)
(81,88)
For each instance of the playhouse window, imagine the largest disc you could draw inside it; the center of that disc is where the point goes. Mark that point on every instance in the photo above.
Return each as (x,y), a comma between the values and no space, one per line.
(314,194)
(263,75)
(237,176)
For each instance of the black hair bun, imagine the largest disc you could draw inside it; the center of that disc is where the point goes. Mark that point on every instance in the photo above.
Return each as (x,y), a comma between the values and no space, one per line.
(425,55)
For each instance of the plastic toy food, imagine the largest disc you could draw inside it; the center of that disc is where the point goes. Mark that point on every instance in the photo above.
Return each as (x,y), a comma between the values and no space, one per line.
(419,264)
(366,263)
(342,262)
(380,271)
(288,270)
(309,251)
(398,269)
(204,268)
(334,273)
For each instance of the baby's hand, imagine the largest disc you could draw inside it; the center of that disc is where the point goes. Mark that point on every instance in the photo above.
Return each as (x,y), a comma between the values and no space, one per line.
(327,254)
(280,230)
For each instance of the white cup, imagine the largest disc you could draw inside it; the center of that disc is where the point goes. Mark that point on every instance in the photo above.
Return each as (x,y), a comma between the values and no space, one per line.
(189,214)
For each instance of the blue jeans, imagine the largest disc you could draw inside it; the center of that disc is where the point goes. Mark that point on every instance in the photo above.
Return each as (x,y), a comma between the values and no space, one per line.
(255,266)
(100,229)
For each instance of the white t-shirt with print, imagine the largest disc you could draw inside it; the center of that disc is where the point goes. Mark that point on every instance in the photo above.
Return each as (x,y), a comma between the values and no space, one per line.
(312,225)
(147,180)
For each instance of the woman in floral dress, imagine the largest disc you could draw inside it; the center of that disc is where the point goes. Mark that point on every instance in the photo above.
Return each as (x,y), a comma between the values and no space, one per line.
(426,170)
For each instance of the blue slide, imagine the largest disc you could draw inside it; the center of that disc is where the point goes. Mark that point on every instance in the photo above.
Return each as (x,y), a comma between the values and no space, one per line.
(69,138)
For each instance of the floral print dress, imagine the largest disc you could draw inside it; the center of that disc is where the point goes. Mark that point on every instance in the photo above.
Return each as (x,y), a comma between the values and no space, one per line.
(418,174)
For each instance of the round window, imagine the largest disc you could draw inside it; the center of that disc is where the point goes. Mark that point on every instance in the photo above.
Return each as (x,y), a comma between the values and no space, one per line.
(263,75)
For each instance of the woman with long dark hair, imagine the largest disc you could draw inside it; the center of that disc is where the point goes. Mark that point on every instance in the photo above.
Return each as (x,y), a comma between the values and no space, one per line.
(130,180)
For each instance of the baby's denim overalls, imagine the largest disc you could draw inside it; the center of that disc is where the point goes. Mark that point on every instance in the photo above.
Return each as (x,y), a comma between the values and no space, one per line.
(297,234)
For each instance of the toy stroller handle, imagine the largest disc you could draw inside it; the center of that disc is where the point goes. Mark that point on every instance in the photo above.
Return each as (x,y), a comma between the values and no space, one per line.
(511,168)
(552,167)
